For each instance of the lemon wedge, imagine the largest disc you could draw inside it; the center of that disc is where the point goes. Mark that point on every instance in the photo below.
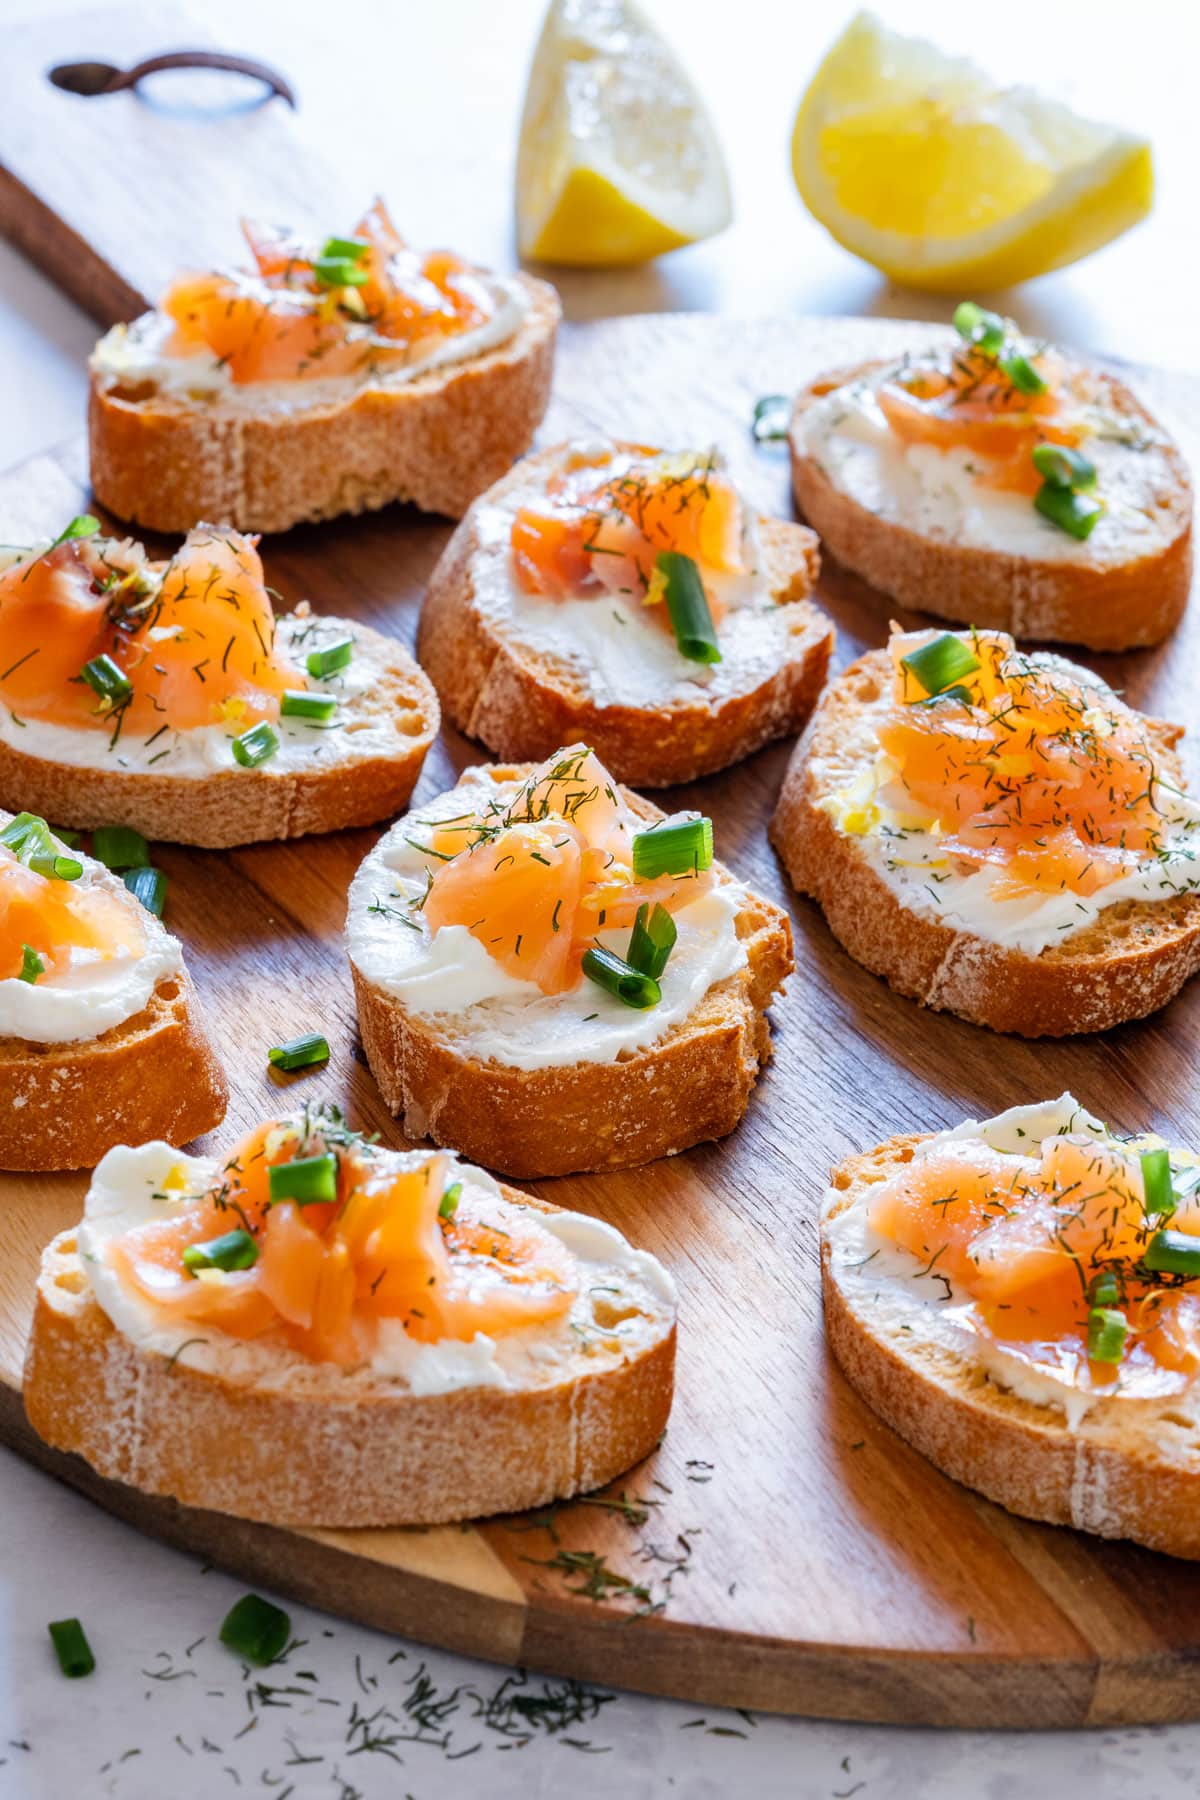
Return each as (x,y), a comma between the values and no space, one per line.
(920,164)
(618,160)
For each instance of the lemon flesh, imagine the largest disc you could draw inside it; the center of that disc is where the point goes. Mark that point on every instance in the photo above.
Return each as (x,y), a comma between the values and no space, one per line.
(918,163)
(618,160)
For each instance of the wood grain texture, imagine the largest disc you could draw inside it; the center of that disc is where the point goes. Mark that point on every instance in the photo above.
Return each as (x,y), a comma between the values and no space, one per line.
(821,1565)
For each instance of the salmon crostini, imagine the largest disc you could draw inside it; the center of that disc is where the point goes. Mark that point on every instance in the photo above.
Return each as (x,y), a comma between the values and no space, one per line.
(389,1338)
(628,597)
(993,479)
(169,697)
(553,977)
(329,377)
(1020,1299)
(997,834)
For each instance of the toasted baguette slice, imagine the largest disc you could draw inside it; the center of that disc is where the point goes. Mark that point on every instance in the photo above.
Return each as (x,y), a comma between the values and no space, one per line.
(522,702)
(688,1086)
(397,715)
(1090,597)
(1132,959)
(165,461)
(1129,1468)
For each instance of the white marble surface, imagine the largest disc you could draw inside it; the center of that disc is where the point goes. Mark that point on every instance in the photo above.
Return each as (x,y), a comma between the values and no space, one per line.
(169,1714)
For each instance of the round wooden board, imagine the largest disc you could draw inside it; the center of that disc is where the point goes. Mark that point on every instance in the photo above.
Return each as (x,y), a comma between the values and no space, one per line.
(790,1553)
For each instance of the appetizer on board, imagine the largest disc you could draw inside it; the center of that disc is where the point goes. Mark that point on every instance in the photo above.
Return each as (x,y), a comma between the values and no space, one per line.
(330,377)
(992,479)
(997,834)
(101,1041)
(169,697)
(551,976)
(310,1329)
(1020,1299)
(631,598)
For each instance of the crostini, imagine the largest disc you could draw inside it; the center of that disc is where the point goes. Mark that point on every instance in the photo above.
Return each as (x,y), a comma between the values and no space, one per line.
(1019,1298)
(629,598)
(315,1330)
(551,976)
(101,1041)
(1000,482)
(169,697)
(997,834)
(329,378)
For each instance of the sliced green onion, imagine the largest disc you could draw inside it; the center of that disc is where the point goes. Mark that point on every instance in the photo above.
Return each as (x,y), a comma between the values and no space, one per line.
(329,660)
(1076,513)
(338,272)
(81,526)
(950,693)
(771,416)
(69,838)
(258,745)
(71,1647)
(1173,1253)
(55,867)
(149,886)
(448,1205)
(108,679)
(1107,1331)
(120,847)
(1158,1192)
(939,663)
(682,847)
(687,604)
(982,328)
(299,1053)
(310,1180)
(1104,1289)
(298,704)
(618,977)
(256,1630)
(351,248)
(1063,467)
(1022,374)
(652,940)
(232,1250)
(26,836)
(31,965)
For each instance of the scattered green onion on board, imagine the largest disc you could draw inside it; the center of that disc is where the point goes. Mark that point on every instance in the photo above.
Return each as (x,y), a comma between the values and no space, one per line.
(771,416)
(1157,1189)
(687,605)
(621,979)
(651,941)
(299,1053)
(31,965)
(1063,467)
(120,847)
(680,847)
(1077,513)
(232,1250)
(149,886)
(107,679)
(55,867)
(71,1647)
(309,1180)
(1107,1331)
(298,704)
(448,1205)
(937,665)
(1173,1253)
(328,661)
(258,745)
(982,328)
(256,1630)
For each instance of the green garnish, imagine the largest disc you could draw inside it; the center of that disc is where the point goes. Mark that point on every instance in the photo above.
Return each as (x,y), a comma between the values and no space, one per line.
(309,1181)
(1076,513)
(1173,1253)
(339,272)
(329,660)
(26,836)
(31,965)
(120,847)
(70,838)
(1022,374)
(109,680)
(682,847)
(771,415)
(1107,1331)
(299,1053)
(687,604)
(149,886)
(1063,467)
(256,1630)
(81,526)
(353,249)
(941,662)
(652,940)
(298,704)
(55,867)
(982,328)
(950,693)
(70,1644)
(232,1250)
(448,1205)
(1158,1192)
(618,977)
(258,745)
(1104,1289)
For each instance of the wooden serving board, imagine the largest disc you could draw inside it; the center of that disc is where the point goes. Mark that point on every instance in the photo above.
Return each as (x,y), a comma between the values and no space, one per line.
(805,1559)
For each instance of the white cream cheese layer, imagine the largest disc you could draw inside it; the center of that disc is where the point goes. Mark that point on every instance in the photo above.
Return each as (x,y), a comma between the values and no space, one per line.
(611,645)
(625,1302)
(490,1013)
(135,356)
(939,493)
(99,989)
(304,744)
(913,1304)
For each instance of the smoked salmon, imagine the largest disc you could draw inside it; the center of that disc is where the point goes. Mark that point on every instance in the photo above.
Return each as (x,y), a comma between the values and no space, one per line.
(54,918)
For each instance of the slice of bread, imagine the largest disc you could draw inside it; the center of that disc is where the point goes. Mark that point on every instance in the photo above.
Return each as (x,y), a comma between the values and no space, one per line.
(522,702)
(396,715)
(1129,1468)
(1132,959)
(1087,598)
(688,1086)
(320,1445)
(437,441)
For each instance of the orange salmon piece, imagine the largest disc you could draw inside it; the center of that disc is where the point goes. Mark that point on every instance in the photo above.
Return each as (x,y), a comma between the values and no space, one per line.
(55,917)
(518,893)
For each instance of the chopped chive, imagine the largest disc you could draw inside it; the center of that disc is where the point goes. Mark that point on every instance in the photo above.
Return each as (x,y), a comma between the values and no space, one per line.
(771,415)
(944,660)
(351,248)
(950,693)
(1022,374)
(70,838)
(982,328)
(55,867)
(255,1629)
(680,847)
(298,704)
(1107,1331)
(651,941)
(71,1647)
(1063,467)
(27,836)
(687,604)
(338,272)
(448,1205)
(329,660)
(1104,1289)
(149,886)
(120,847)
(1173,1253)
(1158,1193)
(616,976)
(258,745)
(299,1053)
(31,965)
(309,1181)
(81,526)
(108,679)
(1076,513)
(232,1250)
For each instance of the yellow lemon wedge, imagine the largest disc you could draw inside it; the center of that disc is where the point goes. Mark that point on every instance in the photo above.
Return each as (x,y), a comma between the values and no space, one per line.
(618,160)
(920,164)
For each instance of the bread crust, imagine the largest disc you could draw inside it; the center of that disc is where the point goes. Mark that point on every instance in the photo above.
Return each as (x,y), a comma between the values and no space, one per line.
(1104,607)
(1129,1469)
(523,704)
(163,463)
(354,1453)
(1133,959)
(62,1106)
(692,1085)
(246,806)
